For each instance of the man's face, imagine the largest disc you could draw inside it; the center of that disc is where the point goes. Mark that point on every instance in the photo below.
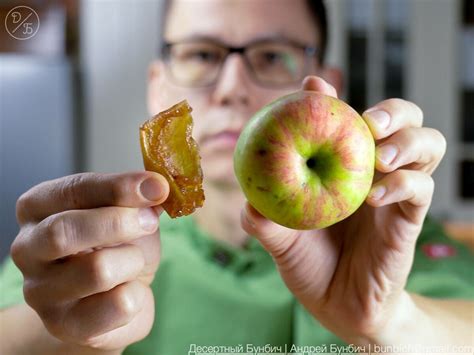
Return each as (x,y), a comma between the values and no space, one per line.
(220,111)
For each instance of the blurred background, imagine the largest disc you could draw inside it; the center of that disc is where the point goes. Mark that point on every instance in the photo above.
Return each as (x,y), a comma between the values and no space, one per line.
(73,95)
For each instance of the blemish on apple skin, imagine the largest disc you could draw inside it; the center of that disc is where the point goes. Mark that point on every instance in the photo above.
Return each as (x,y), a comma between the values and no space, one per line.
(263,189)
(262,152)
(281,203)
(248,183)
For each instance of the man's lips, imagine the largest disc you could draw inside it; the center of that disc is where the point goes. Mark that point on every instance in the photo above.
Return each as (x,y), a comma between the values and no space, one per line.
(224,139)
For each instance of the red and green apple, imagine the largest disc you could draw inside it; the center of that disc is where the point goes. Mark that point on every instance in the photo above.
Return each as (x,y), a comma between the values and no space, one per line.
(305,161)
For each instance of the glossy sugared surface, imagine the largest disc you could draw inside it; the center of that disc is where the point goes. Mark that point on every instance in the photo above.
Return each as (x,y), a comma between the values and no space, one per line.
(169,149)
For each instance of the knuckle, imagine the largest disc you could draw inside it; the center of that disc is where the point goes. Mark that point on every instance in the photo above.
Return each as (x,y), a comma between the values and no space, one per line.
(406,140)
(52,320)
(440,140)
(138,257)
(401,179)
(100,272)
(23,205)
(20,250)
(412,145)
(394,102)
(69,187)
(430,184)
(418,112)
(397,104)
(393,105)
(17,251)
(116,193)
(124,304)
(34,293)
(30,293)
(57,231)
(115,221)
(411,135)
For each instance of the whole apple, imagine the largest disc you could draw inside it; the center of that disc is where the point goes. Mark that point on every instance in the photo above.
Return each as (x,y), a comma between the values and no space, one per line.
(305,161)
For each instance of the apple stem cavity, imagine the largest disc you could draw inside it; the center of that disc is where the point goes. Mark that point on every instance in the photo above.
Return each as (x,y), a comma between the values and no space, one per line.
(311,163)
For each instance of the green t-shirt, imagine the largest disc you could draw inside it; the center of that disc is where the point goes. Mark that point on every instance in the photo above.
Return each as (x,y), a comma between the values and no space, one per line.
(209,294)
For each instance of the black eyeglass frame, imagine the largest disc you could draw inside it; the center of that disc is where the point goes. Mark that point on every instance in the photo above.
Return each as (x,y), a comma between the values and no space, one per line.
(309,53)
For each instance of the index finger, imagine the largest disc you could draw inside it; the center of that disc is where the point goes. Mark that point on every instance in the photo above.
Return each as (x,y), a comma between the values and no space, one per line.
(91,190)
(391,115)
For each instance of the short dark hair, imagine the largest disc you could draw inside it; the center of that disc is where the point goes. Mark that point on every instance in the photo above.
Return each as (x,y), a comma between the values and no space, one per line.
(316,8)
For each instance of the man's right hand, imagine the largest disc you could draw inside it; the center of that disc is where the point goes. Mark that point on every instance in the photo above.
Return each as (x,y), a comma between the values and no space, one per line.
(88,249)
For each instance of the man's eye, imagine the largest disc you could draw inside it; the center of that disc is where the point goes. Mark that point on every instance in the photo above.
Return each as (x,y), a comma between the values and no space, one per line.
(204,56)
(272,57)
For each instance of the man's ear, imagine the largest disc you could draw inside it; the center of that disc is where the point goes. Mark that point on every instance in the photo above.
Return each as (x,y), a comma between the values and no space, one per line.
(155,81)
(334,77)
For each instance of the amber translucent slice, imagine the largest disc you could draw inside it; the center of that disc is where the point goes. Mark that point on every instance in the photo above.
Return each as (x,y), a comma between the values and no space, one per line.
(169,149)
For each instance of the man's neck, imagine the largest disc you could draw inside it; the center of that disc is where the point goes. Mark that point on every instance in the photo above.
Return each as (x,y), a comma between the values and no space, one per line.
(220,215)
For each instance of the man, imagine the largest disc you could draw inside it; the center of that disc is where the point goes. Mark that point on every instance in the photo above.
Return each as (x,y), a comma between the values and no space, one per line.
(89,251)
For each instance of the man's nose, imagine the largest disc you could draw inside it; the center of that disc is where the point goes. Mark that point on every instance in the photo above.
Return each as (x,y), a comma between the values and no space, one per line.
(233,85)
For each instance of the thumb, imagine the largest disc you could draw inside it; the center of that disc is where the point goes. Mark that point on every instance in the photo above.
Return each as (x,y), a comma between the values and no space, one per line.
(305,259)
(276,239)
(315,83)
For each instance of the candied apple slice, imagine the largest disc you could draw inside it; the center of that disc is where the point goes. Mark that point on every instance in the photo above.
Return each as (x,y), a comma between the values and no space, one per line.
(169,149)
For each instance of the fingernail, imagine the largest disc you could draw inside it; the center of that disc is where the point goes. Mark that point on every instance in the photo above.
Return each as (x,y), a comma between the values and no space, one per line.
(387,153)
(252,223)
(378,192)
(147,219)
(246,216)
(151,189)
(380,118)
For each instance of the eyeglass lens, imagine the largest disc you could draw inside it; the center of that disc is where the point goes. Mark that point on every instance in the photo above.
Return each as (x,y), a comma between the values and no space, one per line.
(198,63)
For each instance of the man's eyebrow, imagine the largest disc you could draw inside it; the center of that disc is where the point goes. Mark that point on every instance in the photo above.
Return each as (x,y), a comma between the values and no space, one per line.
(263,37)
(195,37)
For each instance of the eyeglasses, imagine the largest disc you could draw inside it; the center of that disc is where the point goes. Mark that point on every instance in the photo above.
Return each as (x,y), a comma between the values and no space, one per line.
(271,63)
